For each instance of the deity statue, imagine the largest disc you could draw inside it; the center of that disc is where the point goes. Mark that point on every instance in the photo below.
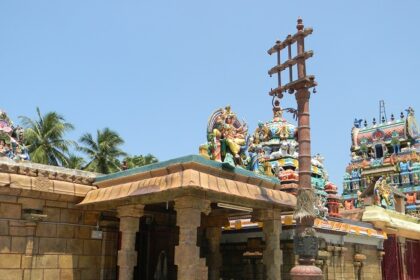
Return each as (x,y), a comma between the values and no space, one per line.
(227,137)
(11,140)
(383,194)
(355,131)
(320,209)
(395,142)
(293,145)
(412,125)
(360,200)
(283,132)
(262,133)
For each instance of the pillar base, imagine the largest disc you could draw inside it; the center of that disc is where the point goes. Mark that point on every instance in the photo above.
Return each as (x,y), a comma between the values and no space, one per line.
(306,272)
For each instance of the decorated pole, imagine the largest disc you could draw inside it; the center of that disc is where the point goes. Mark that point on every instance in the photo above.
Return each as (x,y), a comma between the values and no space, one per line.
(305,240)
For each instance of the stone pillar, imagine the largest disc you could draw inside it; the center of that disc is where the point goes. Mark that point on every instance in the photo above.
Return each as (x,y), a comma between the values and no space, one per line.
(214,261)
(129,225)
(187,253)
(272,255)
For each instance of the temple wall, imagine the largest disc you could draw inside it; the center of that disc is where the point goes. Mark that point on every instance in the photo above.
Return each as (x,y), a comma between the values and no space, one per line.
(44,235)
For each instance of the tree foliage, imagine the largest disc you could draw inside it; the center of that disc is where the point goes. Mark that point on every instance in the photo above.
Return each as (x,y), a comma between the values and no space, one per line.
(139,160)
(103,152)
(45,138)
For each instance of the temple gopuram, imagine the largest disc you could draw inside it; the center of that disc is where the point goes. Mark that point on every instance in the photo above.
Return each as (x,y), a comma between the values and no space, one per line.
(272,151)
(381,186)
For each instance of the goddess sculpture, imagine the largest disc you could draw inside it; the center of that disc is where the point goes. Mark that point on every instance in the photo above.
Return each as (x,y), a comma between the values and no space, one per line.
(226,137)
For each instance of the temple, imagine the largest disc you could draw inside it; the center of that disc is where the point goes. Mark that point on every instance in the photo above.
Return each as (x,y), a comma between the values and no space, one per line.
(381,186)
(253,205)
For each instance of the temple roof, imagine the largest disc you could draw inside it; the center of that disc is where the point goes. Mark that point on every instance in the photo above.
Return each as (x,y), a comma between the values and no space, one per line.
(392,222)
(190,175)
(187,160)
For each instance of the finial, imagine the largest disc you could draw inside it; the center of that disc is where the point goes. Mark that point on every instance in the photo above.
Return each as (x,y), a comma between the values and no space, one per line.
(402,115)
(392,117)
(300,25)
(383,119)
(365,123)
(374,121)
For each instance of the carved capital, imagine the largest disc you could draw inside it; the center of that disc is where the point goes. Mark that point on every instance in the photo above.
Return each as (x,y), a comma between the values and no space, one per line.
(191,202)
(135,211)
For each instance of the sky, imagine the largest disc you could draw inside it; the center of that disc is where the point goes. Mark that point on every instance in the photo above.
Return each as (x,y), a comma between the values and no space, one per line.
(154,71)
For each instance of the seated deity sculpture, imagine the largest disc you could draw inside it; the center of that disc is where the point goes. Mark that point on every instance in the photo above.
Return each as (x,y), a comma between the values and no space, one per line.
(226,137)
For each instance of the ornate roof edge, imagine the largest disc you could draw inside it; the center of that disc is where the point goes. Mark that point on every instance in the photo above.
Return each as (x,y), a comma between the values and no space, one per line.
(52,172)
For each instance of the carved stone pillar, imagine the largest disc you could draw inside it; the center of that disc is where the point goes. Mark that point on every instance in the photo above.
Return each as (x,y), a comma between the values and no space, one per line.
(272,255)
(380,258)
(359,259)
(213,225)
(129,225)
(214,261)
(187,253)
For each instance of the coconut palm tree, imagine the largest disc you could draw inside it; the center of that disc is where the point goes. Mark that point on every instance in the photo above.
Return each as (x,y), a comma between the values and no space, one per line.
(103,152)
(140,160)
(75,162)
(44,138)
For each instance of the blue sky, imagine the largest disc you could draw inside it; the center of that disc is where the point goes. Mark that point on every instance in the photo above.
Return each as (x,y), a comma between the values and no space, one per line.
(155,70)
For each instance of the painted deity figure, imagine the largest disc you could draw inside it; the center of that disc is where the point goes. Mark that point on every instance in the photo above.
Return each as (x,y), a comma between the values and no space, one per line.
(355,179)
(412,125)
(262,133)
(226,137)
(293,145)
(355,131)
(283,132)
(383,193)
(320,209)
(364,148)
(360,200)
(395,142)
(3,148)
(405,168)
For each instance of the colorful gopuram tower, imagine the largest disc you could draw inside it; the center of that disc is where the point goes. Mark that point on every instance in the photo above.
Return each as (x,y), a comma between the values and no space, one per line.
(385,164)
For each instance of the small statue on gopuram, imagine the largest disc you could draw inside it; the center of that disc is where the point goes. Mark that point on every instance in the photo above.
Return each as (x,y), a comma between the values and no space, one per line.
(227,138)
(11,140)
(383,194)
